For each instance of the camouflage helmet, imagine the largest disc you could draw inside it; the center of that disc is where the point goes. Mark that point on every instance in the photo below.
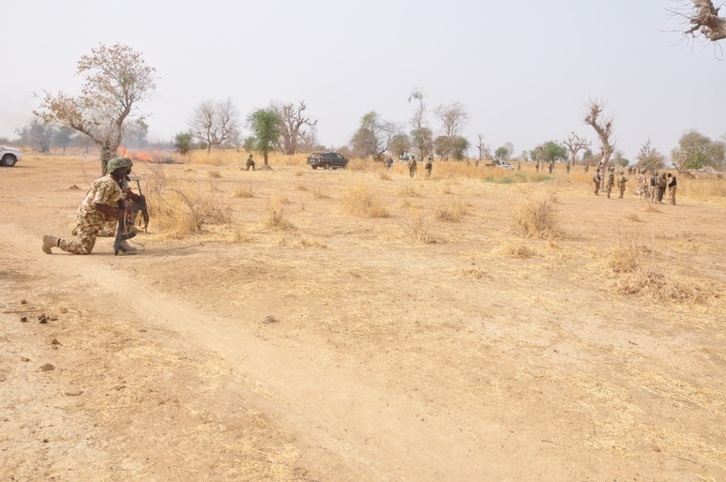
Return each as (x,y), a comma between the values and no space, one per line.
(118,163)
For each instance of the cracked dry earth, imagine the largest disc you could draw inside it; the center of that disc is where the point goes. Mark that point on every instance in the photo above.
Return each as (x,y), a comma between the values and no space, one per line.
(341,350)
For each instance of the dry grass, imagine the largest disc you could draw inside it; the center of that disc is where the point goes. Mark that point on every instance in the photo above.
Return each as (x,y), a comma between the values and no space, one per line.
(275,215)
(515,250)
(417,228)
(407,191)
(384,176)
(215,174)
(185,209)
(301,186)
(453,211)
(361,201)
(244,192)
(633,217)
(536,218)
(318,193)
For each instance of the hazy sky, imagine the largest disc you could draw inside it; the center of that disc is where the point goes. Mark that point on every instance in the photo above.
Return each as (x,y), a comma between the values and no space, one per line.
(523,70)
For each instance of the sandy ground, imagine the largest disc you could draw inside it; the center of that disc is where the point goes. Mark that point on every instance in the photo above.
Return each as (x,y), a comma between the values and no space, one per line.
(341,349)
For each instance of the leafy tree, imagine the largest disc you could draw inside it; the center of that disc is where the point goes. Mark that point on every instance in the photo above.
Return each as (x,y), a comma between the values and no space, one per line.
(38,134)
(117,79)
(695,151)
(265,124)
(135,134)
(62,137)
(459,147)
(549,153)
(292,126)
(183,143)
(399,145)
(373,136)
(215,123)
(502,153)
(422,141)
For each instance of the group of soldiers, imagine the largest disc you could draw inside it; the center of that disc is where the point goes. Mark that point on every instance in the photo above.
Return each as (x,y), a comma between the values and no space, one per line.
(413,164)
(652,188)
(655,186)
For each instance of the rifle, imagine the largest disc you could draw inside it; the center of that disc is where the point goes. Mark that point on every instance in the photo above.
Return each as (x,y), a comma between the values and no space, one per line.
(122,231)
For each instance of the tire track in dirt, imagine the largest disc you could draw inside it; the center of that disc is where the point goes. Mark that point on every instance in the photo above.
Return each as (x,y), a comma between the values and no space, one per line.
(383,435)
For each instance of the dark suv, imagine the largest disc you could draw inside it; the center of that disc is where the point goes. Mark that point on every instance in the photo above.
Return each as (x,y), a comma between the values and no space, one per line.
(326,160)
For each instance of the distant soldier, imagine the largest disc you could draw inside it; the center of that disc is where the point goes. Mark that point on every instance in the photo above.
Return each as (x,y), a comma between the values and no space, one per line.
(567,167)
(250,163)
(519,166)
(596,182)
(653,186)
(642,185)
(672,184)
(389,162)
(611,181)
(587,167)
(428,166)
(662,184)
(621,184)
(412,166)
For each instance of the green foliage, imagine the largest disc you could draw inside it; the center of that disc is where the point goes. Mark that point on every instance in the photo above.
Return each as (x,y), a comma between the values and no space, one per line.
(459,146)
(183,142)
(265,124)
(422,141)
(695,151)
(502,154)
(400,144)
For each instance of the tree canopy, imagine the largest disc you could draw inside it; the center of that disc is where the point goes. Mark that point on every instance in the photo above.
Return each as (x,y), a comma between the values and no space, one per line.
(265,124)
(116,80)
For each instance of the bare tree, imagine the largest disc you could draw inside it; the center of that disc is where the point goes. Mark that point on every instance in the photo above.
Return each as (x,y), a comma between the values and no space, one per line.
(603,128)
(117,79)
(453,118)
(700,17)
(374,136)
(485,151)
(575,144)
(421,135)
(293,125)
(215,123)
(649,158)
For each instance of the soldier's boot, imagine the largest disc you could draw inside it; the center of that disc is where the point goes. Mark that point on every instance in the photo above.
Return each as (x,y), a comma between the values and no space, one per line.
(127,248)
(48,243)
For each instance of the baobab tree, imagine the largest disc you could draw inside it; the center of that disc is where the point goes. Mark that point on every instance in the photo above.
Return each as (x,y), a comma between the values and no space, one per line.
(603,128)
(700,17)
(292,125)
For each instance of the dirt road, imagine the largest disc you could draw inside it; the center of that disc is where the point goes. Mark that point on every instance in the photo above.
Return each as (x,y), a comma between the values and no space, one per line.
(341,351)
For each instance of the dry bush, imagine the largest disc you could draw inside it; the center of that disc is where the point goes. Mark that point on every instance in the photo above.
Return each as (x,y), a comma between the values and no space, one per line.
(298,173)
(417,228)
(361,201)
(384,176)
(642,274)
(215,174)
(633,217)
(301,186)
(474,273)
(275,215)
(453,211)
(319,194)
(240,237)
(185,210)
(516,250)
(536,218)
(408,191)
(311,243)
(244,192)
(360,165)
(648,207)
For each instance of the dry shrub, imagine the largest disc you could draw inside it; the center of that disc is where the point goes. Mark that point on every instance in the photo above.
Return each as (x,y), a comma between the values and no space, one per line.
(275,215)
(215,174)
(454,211)
(536,218)
(516,250)
(319,194)
(648,278)
(407,191)
(298,173)
(648,207)
(244,192)
(240,237)
(301,186)
(358,164)
(384,176)
(417,228)
(361,201)
(311,243)
(633,217)
(474,273)
(186,211)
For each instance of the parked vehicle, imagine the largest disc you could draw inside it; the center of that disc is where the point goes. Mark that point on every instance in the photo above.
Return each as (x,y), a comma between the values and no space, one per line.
(9,156)
(501,165)
(327,160)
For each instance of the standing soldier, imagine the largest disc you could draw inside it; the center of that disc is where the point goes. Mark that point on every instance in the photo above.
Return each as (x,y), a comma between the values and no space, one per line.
(642,184)
(611,180)
(621,184)
(672,184)
(662,183)
(429,166)
(596,182)
(412,166)
(653,186)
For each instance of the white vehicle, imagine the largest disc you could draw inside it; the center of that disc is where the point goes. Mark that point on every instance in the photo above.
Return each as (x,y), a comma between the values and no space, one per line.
(9,156)
(501,165)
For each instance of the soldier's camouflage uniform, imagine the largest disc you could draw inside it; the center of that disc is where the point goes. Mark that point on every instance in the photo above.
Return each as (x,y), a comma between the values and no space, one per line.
(89,220)
(611,181)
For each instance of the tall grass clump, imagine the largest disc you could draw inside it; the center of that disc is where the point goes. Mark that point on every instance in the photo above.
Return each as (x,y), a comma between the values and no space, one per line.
(275,215)
(453,211)
(185,209)
(362,202)
(417,228)
(536,218)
